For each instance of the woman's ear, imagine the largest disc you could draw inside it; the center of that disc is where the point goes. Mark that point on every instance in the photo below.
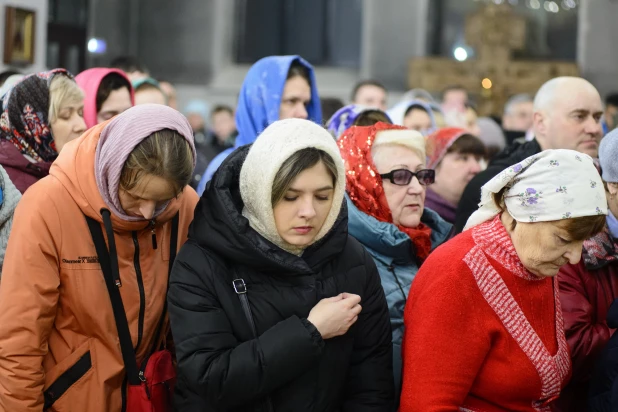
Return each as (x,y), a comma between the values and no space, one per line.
(612,188)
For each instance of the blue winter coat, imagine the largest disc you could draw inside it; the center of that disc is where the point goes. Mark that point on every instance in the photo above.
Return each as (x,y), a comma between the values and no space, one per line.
(393,254)
(259,102)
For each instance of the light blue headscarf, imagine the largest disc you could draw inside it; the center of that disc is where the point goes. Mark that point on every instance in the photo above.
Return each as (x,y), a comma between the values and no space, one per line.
(198,107)
(259,103)
(398,113)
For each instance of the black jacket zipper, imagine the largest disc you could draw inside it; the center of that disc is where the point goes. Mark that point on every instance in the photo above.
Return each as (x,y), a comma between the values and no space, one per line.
(142,294)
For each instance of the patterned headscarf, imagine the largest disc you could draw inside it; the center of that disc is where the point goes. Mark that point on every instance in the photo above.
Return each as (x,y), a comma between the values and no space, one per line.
(364,184)
(549,186)
(24,121)
(345,117)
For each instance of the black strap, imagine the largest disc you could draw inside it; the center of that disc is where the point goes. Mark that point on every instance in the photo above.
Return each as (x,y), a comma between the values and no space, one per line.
(122,325)
(241,290)
(109,266)
(173,250)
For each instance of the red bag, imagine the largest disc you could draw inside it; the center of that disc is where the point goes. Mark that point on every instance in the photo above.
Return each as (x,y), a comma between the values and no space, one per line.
(155,392)
(149,388)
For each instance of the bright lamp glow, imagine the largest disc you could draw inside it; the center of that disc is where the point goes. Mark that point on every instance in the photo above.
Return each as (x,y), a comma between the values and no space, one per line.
(460,54)
(97,46)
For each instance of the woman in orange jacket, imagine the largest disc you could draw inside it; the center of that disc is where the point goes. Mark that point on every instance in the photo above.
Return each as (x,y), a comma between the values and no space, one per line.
(59,343)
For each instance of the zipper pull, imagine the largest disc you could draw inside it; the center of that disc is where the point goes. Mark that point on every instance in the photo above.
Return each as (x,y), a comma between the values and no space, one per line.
(154,235)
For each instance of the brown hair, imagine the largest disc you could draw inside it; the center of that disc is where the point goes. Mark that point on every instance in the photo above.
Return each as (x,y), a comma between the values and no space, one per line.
(297,163)
(415,107)
(299,69)
(165,154)
(468,144)
(222,108)
(578,228)
(363,83)
(110,83)
(371,117)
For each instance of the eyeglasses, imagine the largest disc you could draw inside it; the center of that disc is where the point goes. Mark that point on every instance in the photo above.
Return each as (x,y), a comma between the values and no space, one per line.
(403,177)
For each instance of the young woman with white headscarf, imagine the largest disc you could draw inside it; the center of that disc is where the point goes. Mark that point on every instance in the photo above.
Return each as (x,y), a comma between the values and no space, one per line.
(273,306)
(484,327)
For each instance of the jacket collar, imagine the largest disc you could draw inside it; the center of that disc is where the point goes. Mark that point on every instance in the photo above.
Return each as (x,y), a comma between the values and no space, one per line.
(387,240)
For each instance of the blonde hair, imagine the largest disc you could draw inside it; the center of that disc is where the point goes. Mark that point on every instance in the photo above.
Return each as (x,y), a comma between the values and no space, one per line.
(165,154)
(63,91)
(410,139)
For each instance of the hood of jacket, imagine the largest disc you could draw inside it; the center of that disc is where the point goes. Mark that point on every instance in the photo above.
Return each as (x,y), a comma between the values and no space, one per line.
(515,153)
(89,81)
(220,226)
(387,240)
(74,168)
(260,96)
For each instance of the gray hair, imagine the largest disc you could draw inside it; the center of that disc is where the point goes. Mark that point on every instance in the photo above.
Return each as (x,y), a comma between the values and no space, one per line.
(515,100)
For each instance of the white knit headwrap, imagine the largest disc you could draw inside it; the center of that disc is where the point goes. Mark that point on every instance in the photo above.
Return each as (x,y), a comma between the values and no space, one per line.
(548,186)
(272,148)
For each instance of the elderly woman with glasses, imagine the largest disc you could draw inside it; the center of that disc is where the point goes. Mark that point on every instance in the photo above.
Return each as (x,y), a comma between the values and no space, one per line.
(386,185)
(483,322)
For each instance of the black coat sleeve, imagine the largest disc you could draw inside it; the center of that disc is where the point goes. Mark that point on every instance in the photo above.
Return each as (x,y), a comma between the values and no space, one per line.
(470,200)
(211,361)
(370,384)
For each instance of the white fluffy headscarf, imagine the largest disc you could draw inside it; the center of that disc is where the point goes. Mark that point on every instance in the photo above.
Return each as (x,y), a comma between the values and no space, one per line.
(272,148)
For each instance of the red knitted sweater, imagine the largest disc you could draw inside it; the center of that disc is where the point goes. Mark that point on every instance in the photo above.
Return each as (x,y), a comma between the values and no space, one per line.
(481,332)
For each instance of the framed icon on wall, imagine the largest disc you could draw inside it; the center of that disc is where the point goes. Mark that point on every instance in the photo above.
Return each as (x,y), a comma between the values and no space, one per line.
(19,35)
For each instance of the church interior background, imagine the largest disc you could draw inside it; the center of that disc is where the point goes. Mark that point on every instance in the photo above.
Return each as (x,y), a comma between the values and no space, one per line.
(493,47)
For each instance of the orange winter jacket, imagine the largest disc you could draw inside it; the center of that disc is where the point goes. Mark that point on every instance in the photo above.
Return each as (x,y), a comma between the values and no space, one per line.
(56,322)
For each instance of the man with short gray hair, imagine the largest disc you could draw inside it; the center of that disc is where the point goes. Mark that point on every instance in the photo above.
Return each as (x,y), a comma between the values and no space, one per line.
(566,115)
(518,113)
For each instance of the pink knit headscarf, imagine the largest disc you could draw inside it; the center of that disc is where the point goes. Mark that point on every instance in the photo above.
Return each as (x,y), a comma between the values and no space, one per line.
(121,136)
(90,81)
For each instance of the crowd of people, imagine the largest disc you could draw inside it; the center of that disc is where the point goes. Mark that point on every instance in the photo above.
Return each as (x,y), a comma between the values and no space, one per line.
(294,253)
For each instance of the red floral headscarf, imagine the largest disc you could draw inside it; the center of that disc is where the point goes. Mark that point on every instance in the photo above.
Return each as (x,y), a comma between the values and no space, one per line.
(364,184)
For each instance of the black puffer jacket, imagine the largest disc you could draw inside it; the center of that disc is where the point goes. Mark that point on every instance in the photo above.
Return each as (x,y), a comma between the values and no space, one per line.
(471,196)
(221,367)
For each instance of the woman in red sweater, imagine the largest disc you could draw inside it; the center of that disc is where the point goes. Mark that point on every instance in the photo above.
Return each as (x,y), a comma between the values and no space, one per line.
(483,324)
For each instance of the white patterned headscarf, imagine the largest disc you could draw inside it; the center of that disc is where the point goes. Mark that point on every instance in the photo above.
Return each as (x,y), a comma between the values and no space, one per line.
(549,186)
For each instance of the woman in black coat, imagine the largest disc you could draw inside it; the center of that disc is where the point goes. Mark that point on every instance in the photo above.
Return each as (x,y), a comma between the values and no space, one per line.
(270,232)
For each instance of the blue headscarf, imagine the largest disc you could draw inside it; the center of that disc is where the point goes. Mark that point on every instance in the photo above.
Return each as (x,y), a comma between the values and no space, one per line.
(259,103)
(343,118)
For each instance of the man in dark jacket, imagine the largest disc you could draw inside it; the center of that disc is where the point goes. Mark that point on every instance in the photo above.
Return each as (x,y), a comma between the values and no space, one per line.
(567,115)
